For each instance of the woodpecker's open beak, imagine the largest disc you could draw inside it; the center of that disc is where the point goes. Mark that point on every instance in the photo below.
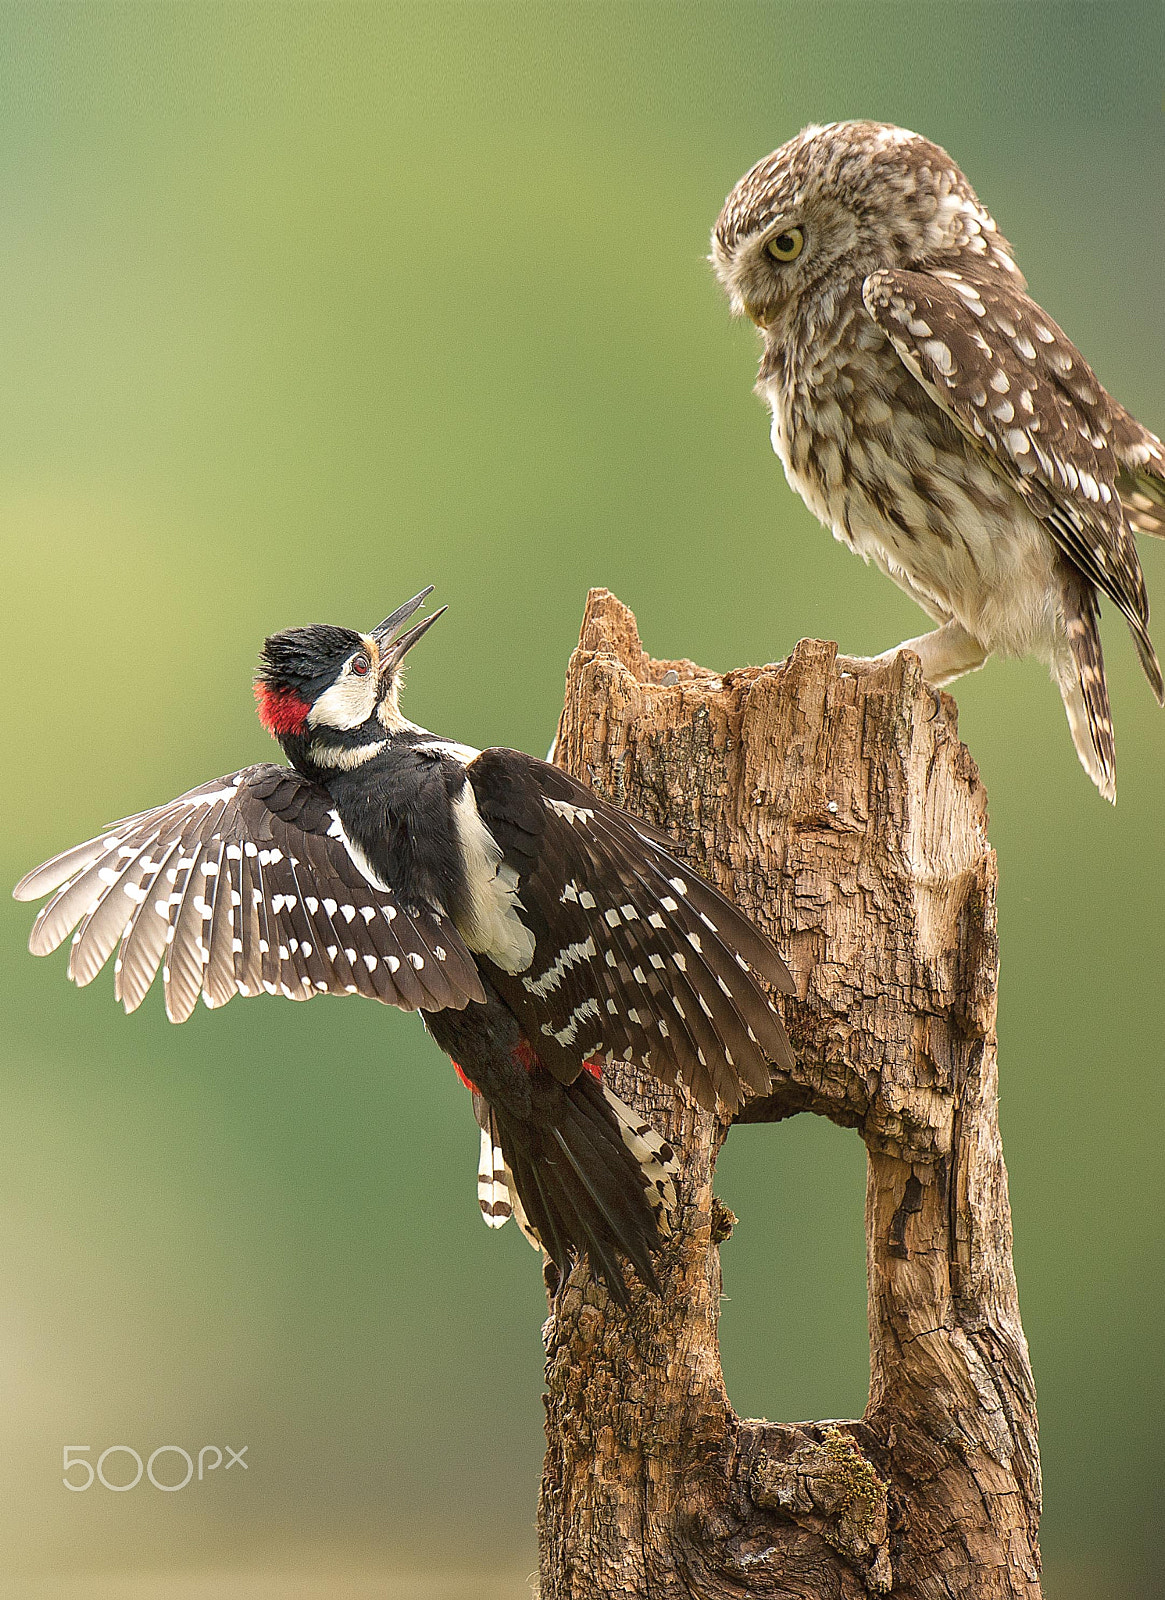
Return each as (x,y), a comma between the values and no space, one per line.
(399,617)
(393,650)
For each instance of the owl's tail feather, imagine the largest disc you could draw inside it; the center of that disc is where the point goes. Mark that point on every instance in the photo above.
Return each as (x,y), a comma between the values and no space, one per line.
(1142,495)
(1080,675)
(1148,659)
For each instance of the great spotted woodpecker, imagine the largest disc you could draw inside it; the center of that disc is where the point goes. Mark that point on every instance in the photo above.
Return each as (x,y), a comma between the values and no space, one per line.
(541,932)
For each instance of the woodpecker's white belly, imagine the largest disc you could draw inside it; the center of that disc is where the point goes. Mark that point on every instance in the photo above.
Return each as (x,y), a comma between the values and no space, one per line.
(961,542)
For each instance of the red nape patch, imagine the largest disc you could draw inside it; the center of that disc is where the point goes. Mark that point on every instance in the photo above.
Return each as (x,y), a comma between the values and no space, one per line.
(280,710)
(595,1068)
(468,1082)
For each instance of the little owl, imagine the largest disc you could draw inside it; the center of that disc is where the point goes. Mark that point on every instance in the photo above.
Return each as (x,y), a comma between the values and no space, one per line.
(930,413)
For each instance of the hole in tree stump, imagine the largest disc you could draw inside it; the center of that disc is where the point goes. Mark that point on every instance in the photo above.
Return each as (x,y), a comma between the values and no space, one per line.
(793,1331)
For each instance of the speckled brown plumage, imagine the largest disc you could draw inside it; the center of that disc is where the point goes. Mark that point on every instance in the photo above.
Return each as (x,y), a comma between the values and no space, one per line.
(935,418)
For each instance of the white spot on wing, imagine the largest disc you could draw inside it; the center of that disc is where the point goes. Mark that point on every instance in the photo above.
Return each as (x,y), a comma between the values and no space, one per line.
(567,1034)
(566,958)
(572,813)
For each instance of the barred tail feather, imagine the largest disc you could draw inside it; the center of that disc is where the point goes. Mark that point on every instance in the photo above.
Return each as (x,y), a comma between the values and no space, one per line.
(493,1192)
(655,1158)
(1149,663)
(520,1216)
(497,1193)
(1085,693)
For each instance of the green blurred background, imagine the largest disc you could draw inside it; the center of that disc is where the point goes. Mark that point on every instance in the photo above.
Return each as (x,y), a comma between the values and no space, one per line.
(305,307)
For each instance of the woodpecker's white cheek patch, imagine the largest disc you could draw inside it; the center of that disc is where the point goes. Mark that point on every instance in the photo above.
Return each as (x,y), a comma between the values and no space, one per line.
(347,704)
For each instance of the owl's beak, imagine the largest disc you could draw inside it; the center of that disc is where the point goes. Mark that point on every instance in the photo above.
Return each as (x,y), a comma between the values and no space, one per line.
(735,284)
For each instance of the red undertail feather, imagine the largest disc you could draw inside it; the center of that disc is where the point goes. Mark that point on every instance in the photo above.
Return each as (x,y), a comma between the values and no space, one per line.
(524,1054)
(468,1082)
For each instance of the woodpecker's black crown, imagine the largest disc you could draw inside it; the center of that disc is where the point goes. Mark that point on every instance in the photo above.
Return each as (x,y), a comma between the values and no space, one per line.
(306,660)
(297,667)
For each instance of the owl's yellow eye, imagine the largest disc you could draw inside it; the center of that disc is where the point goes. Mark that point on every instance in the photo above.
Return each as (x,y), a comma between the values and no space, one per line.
(786,246)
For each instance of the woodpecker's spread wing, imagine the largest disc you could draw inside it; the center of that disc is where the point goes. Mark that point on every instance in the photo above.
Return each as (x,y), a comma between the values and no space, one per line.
(636,957)
(1026,398)
(245,885)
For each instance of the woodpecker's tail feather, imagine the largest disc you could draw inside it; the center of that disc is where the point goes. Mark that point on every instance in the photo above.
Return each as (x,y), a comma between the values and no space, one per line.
(653,1155)
(497,1193)
(597,1183)
(493,1182)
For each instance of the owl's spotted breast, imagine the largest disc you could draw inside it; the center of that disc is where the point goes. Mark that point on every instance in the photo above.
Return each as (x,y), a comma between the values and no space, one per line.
(900,486)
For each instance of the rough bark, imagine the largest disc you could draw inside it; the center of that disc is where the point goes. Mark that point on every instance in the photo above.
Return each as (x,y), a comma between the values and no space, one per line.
(833,800)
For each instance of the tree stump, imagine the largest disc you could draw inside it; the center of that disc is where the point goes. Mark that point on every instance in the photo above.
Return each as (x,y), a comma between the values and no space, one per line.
(833,801)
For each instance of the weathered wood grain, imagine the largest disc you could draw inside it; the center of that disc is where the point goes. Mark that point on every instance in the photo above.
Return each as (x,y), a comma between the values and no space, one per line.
(834,801)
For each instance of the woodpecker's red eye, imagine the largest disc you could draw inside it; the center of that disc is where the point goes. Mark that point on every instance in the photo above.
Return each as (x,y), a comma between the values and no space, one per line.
(360,665)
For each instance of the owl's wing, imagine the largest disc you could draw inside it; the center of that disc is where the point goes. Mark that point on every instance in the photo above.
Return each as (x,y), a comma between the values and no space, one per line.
(245,885)
(1027,399)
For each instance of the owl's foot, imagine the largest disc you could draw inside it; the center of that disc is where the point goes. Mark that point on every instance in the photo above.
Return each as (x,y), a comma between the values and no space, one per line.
(946,654)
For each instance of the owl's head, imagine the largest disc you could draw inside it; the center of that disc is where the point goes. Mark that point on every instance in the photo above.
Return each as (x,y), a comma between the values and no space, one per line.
(838,202)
